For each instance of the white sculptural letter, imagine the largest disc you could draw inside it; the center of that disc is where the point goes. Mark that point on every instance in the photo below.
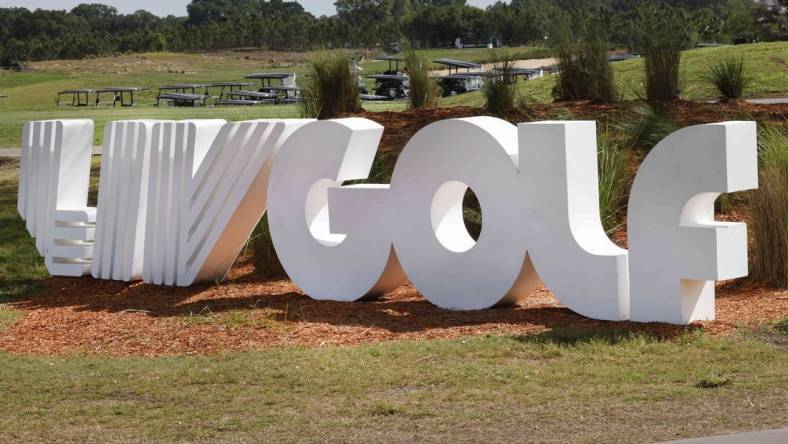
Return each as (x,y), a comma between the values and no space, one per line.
(439,256)
(346,256)
(227,195)
(53,193)
(208,185)
(179,199)
(122,201)
(566,241)
(677,249)
(177,149)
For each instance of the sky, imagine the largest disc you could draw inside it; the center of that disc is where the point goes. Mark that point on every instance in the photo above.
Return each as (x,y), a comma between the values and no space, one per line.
(174,7)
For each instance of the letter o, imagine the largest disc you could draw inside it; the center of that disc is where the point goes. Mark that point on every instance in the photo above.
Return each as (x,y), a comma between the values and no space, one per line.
(430,240)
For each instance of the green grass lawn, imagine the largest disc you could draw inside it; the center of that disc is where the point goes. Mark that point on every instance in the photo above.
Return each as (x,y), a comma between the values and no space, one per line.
(31,95)
(20,265)
(767,63)
(561,386)
(581,387)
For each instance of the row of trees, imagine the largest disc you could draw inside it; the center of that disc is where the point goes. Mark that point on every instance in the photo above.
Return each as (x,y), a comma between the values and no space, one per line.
(96,29)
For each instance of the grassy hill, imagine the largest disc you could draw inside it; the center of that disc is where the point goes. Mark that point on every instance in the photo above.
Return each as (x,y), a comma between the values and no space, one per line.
(31,95)
(767,62)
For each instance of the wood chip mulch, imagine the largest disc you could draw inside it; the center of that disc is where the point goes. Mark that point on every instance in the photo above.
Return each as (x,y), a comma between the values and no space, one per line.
(91,316)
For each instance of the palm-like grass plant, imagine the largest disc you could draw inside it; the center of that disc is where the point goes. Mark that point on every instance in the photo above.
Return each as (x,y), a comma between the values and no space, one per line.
(331,88)
(729,76)
(423,90)
(499,87)
(769,207)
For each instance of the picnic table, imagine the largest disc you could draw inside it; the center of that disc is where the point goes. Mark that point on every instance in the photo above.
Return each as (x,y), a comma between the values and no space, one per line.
(286,91)
(260,97)
(182,88)
(182,99)
(119,94)
(76,96)
(232,86)
(236,102)
(265,78)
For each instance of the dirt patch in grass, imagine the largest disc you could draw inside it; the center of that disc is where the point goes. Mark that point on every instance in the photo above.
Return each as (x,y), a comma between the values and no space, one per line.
(91,316)
(181,63)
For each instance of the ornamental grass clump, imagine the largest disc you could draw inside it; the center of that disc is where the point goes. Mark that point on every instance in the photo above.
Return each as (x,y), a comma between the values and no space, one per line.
(613,179)
(264,258)
(646,125)
(331,89)
(729,76)
(661,33)
(584,72)
(499,87)
(423,90)
(581,46)
(769,209)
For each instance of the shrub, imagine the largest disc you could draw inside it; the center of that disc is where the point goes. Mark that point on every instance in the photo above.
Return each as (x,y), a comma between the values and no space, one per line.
(661,33)
(264,258)
(769,206)
(584,72)
(423,91)
(331,89)
(499,86)
(613,180)
(729,76)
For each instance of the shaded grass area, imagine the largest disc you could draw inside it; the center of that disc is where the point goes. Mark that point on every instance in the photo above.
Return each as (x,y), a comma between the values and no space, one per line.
(562,386)
(20,263)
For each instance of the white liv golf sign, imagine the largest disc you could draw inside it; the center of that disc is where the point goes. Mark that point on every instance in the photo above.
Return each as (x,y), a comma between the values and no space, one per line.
(178,200)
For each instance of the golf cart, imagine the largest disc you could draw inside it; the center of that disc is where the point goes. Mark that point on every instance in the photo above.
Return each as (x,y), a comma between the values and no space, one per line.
(456,84)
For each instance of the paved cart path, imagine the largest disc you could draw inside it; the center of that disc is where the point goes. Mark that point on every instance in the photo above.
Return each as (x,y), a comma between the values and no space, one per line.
(16,152)
(779,436)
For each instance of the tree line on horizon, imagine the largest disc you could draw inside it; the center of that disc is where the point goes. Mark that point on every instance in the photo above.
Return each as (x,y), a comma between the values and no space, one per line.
(98,30)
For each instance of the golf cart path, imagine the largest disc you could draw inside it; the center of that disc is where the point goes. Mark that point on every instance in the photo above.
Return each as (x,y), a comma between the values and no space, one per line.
(16,152)
(778,436)
(524,64)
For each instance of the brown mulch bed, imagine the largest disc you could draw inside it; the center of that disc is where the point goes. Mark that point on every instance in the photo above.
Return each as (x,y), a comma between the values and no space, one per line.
(91,316)
(400,126)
